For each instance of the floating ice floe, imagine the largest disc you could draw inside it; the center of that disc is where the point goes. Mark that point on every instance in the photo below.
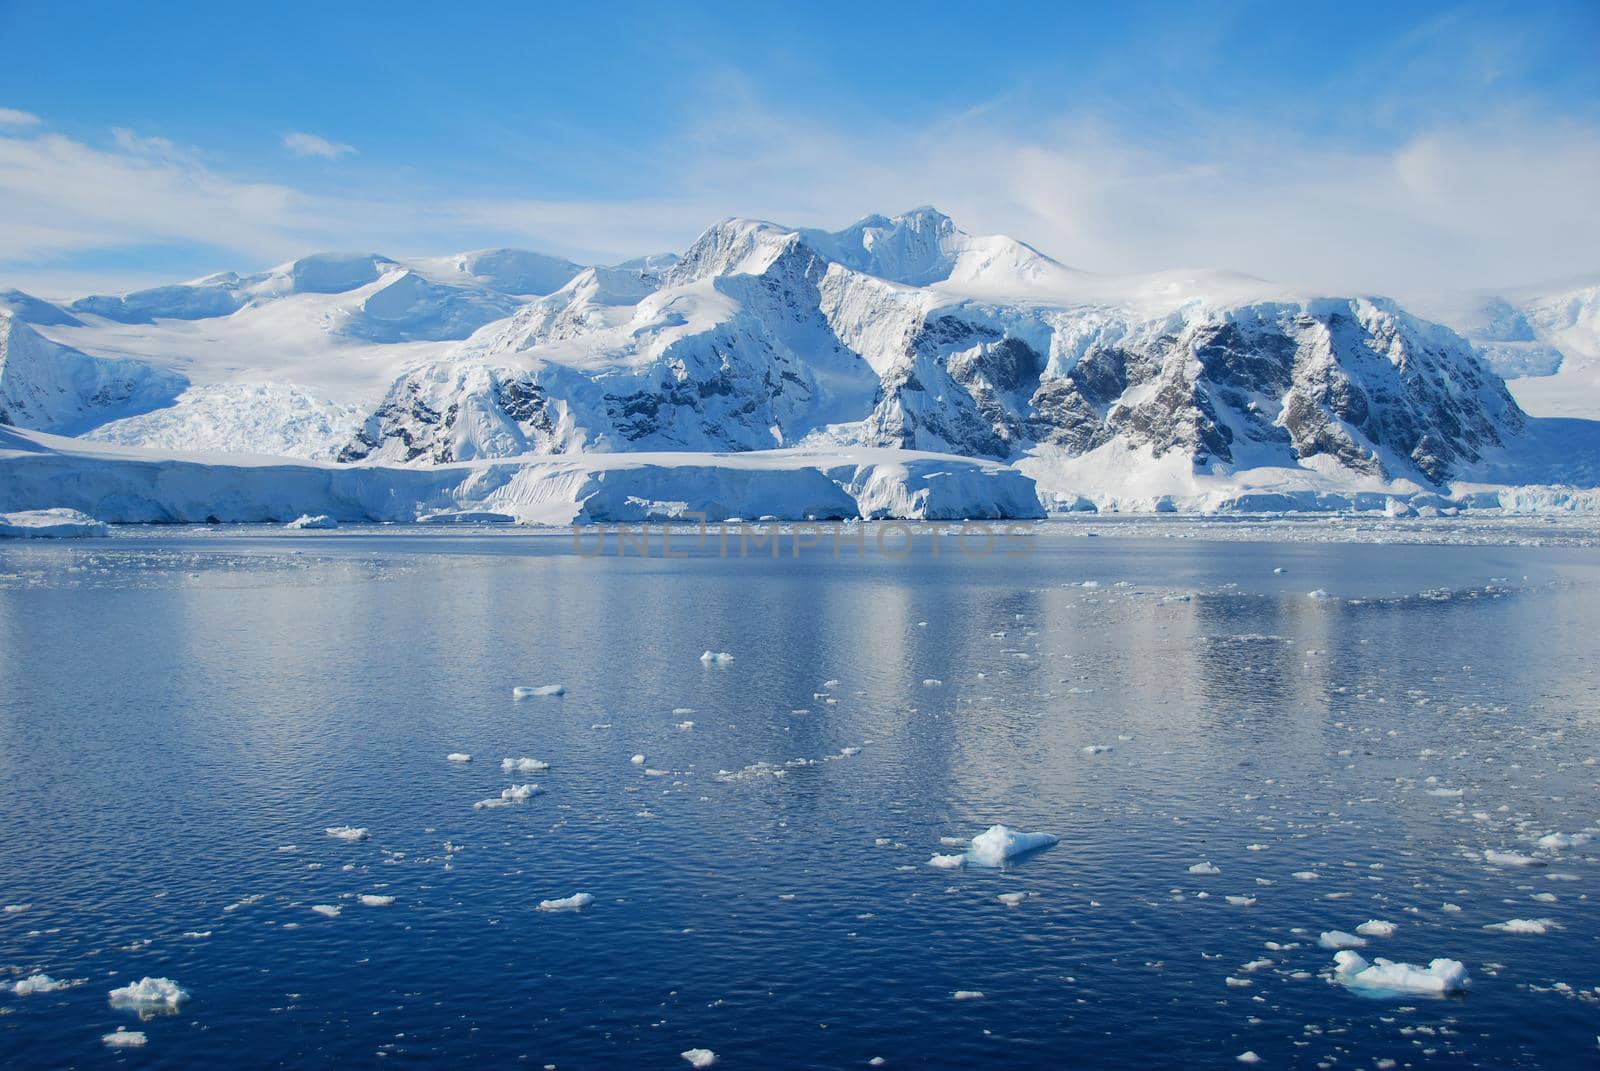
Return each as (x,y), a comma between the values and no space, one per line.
(947,862)
(1524,926)
(526,691)
(350,834)
(40,983)
(123,1038)
(699,1057)
(1552,841)
(1376,928)
(1242,901)
(458,756)
(523,765)
(720,658)
(1097,749)
(685,726)
(575,902)
(932,682)
(998,843)
(508,796)
(1510,858)
(1386,976)
(1248,1057)
(637,760)
(49,524)
(1205,868)
(967,994)
(15,909)
(149,995)
(1012,899)
(374,900)
(1319,595)
(306,520)
(1335,939)
(331,911)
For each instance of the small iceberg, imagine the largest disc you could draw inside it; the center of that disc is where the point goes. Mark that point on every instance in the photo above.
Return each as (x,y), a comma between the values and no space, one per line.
(327,911)
(720,658)
(1509,858)
(1336,939)
(373,900)
(1205,869)
(1383,976)
(1524,926)
(998,843)
(575,902)
(699,1057)
(49,524)
(539,692)
(40,983)
(123,1038)
(1376,928)
(458,756)
(149,995)
(508,796)
(306,520)
(349,834)
(523,765)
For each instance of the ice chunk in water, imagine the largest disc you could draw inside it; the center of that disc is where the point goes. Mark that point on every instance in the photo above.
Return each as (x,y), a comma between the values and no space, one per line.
(149,995)
(123,1038)
(575,902)
(1382,975)
(1340,939)
(305,520)
(1205,868)
(996,844)
(1524,926)
(1510,858)
(373,900)
(1012,899)
(699,1057)
(526,691)
(326,910)
(967,994)
(458,756)
(1563,840)
(637,760)
(947,862)
(523,765)
(350,834)
(39,983)
(1376,928)
(720,658)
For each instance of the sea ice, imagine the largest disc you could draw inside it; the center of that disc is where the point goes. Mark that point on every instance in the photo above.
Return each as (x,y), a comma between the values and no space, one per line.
(699,1057)
(40,983)
(1097,749)
(458,756)
(1376,928)
(321,520)
(350,834)
(967,994)
(996,844)
(148,994)
(538,692)
(49,524)
(637,760)
(1564,840)
(947,862)
(1012,899)
(1510,858)
(575,902)
(1524,926)
(373,900)
(330,911)
(720,658)
(123,1038)
(1334,939)
(1319,595)
(1439,976)
(1205,868)
(523,765)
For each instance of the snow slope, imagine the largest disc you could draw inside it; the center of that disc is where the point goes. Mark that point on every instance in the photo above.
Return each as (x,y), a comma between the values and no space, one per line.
(900,332)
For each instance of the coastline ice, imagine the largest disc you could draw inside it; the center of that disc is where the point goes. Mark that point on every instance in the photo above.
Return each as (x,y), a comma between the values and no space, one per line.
(148,995)
(1440,976)
(50,524)
(575,902)
(995,845)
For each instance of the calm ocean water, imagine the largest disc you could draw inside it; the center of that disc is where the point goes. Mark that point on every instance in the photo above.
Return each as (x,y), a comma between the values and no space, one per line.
(184,713)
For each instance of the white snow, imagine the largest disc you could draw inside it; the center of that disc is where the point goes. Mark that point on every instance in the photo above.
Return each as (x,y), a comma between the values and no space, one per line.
(998,843)
(1382,975)
(575,902)
(148,994)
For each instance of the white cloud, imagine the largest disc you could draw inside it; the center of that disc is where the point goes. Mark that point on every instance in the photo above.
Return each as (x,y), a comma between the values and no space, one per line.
(302,144)
(13,117)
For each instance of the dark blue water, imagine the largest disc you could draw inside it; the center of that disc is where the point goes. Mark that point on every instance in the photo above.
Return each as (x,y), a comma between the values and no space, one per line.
(182,714)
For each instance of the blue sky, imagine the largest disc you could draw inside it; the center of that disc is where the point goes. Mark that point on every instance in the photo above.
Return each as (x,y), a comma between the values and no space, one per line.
(1377,146)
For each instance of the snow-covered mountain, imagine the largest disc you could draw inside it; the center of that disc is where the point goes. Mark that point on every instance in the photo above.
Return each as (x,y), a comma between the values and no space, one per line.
(901,332)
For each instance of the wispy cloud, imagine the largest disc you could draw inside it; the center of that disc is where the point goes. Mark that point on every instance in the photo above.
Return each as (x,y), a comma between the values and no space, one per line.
(303,144)
(13,117)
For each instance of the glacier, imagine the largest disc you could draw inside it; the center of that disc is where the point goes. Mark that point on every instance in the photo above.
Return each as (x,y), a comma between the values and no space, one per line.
(900,367)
